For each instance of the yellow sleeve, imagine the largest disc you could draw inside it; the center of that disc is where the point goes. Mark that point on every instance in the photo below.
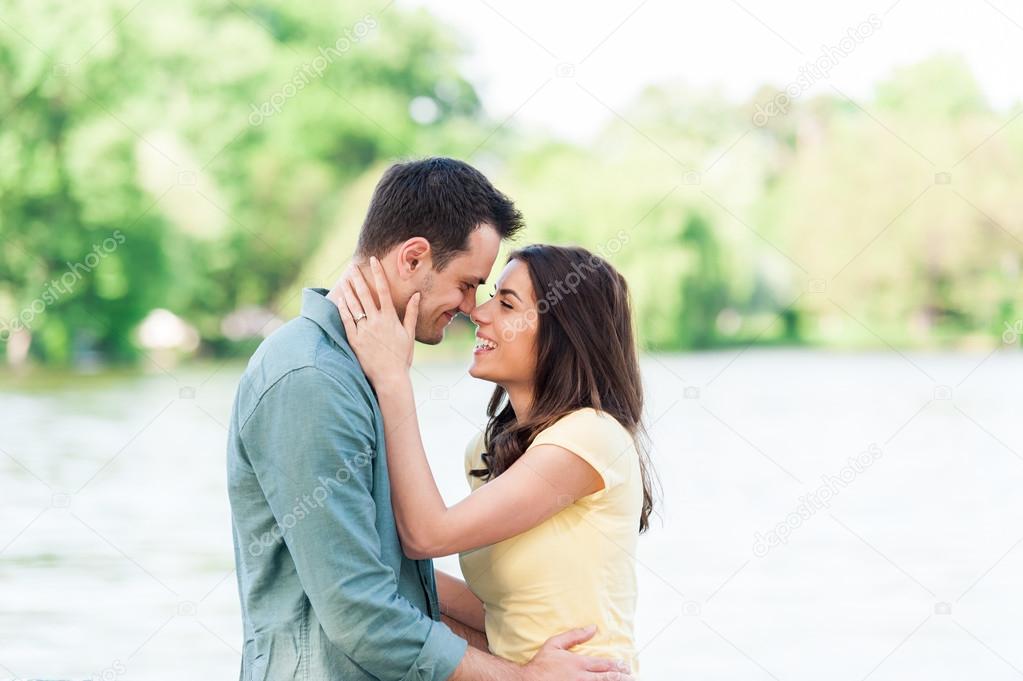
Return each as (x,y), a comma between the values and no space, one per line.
(474,460)
(596,438)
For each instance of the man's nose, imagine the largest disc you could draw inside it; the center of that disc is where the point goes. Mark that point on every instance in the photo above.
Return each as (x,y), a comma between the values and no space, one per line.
(468,304)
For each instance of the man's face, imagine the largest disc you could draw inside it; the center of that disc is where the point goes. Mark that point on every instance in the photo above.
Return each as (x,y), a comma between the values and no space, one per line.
(453,289)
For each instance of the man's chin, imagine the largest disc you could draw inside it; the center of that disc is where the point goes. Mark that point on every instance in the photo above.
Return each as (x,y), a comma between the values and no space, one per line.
(430,338)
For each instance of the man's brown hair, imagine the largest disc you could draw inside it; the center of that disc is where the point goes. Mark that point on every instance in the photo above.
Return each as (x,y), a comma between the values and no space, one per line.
(439,199)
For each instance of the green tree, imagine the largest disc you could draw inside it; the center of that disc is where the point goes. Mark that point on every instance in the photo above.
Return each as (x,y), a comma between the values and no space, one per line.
(215,137)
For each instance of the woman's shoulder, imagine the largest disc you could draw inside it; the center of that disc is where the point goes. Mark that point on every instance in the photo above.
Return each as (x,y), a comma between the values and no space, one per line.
(596,437)
(589,425)
(475,445)
(474,459)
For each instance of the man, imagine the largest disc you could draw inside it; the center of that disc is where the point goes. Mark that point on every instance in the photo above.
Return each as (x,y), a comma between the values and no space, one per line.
(326,591)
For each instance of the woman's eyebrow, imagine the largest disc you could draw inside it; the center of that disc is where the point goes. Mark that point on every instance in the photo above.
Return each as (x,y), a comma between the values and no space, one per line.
(509,292)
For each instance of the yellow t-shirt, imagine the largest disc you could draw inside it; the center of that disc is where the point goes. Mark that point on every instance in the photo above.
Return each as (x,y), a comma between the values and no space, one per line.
(575,568)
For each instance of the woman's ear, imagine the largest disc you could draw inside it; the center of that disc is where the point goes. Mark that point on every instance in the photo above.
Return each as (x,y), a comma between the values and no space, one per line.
(414,256)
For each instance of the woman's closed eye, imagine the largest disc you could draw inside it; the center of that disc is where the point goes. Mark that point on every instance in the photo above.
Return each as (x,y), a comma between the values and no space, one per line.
(503,304)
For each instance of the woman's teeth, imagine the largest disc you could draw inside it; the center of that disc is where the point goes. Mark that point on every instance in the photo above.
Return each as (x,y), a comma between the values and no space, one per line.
(483,345)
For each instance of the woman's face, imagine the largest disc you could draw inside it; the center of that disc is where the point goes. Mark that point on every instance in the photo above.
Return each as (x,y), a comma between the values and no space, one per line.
(505,351)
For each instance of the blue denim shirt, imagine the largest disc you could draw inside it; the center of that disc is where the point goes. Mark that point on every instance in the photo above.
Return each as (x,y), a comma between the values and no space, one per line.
(326,591)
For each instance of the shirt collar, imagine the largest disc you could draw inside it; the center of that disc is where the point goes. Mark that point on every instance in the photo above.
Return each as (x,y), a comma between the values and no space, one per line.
(316,307)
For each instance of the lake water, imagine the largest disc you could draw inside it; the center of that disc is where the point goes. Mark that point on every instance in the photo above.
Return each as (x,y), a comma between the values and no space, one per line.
(905,563)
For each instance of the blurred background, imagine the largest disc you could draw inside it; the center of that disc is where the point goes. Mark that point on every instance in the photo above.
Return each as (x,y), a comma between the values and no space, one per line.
(817,206)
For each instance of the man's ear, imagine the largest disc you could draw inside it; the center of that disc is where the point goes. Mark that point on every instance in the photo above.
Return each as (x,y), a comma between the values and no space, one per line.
(414,256)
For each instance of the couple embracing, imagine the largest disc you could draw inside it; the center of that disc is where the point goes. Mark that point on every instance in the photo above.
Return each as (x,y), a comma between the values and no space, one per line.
(336,515)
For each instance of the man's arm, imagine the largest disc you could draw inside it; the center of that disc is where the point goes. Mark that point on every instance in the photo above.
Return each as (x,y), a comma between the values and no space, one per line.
(552,663)
(311,451)
(311,445)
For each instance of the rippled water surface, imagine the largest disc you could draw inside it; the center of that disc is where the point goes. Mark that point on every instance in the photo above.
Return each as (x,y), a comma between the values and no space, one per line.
(116,555)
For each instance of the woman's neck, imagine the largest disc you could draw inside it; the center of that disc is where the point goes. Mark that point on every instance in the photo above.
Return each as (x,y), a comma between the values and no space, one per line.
(521,399)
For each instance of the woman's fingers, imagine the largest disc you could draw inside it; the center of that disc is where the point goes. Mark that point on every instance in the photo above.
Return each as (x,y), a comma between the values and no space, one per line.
(346,316)
(380,281)
(369,306)
(412,314)
(352,300)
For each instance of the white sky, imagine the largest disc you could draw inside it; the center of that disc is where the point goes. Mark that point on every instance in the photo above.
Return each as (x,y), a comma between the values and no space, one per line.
(516,46)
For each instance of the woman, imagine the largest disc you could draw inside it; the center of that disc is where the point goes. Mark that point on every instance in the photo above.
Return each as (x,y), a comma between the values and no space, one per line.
(560,488)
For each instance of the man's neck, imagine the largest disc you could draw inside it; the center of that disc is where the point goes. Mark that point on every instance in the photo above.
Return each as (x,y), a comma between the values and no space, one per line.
(337,293)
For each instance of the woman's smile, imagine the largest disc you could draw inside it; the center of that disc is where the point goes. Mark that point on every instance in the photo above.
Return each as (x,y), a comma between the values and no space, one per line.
(483,345)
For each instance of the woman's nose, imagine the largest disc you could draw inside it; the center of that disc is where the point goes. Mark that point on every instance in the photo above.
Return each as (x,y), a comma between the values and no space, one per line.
(478,314)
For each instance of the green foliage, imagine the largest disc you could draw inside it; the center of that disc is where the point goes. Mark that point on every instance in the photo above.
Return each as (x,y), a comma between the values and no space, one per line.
(207,156)
(829,224)
(215,136)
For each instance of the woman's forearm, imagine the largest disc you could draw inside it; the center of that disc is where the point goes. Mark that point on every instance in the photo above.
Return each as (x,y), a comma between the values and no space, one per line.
(521,498)
(474,637)
(418,506)
(459,602)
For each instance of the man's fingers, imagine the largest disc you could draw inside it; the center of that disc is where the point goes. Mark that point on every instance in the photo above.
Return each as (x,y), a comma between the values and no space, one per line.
(365,297)
(412,314)
(603,664)
(383,289)
(572,637)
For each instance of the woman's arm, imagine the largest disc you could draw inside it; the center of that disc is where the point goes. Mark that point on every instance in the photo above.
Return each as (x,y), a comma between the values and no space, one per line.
(458,602)
(474,637)
(546,479)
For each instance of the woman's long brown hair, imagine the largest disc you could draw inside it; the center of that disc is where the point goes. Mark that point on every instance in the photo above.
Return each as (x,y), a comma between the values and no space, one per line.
(586,357)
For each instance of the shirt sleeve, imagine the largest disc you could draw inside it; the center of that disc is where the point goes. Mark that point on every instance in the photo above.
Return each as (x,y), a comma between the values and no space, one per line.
(474,461)
(311,443)
(596,438)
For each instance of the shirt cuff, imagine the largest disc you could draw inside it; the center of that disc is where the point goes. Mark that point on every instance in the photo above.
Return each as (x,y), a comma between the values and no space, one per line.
(440,656)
